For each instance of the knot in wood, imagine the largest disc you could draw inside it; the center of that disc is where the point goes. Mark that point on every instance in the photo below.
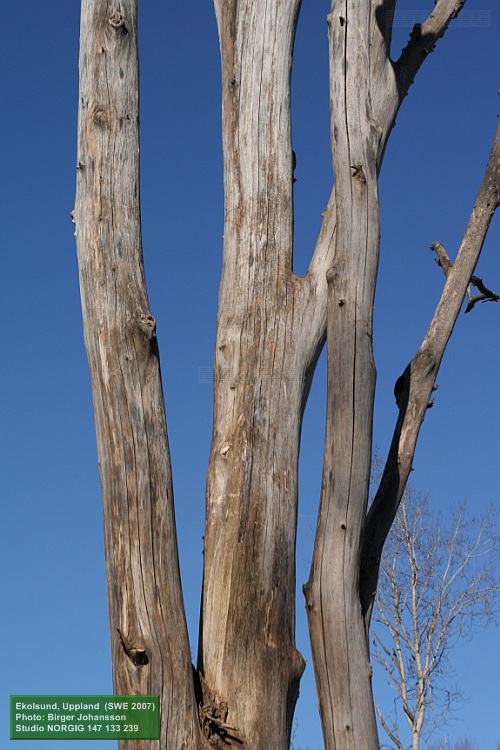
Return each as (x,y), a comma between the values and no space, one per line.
(100,117)
(333,276)
(117,21)
(147,324)
(358,173)
(137,656)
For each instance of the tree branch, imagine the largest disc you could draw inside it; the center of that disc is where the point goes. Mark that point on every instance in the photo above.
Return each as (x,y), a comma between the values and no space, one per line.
(442,257)
(388,91)
(485,294)
(391,734)
(423,39)
(414,387)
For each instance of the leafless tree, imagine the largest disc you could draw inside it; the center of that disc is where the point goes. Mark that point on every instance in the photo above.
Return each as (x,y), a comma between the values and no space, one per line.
(271,327)
(438,583)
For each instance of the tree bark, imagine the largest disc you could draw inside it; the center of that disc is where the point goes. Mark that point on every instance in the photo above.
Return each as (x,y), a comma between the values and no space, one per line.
(270,331)
(414,388)
(338,637)
(366,90)
(150,649)
(247,640)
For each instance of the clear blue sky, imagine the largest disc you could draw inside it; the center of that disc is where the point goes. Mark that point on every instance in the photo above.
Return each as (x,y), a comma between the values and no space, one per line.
(54,628)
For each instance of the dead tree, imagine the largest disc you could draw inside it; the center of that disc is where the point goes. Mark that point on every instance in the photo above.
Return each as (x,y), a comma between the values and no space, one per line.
(271,328)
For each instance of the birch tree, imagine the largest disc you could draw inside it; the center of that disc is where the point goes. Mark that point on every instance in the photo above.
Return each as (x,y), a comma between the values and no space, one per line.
(438,584)
(271,327)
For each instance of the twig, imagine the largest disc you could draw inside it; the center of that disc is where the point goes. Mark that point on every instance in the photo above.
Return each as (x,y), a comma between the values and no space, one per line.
(485,295)
(442,257)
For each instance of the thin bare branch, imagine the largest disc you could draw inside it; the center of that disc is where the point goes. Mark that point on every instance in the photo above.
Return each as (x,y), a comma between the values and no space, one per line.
(485,294)
(390,733)
(442,259)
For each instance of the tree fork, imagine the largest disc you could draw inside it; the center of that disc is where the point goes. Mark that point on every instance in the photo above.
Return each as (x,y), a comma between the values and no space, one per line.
(270,331)
(366,91)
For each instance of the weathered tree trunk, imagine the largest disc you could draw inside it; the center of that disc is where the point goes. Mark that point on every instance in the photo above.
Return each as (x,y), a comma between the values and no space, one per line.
(366,90)
(247,642)
(270,330)
(338,636)
(150,649)
(271,327)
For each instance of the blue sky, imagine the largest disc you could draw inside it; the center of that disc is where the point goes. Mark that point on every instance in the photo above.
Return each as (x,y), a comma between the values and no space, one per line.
(53,625)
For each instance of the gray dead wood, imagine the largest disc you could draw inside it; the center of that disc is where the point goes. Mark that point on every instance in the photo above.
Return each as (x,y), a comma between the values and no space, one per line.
(150,649)
(271,327)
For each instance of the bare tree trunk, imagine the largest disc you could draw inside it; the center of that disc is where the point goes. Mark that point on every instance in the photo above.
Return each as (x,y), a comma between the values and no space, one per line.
(150,648)
(338,635)
(271,328)
(247,642)
(366,90)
